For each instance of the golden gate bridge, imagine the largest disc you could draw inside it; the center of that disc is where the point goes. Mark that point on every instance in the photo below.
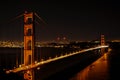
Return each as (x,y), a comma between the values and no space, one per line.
(29,47)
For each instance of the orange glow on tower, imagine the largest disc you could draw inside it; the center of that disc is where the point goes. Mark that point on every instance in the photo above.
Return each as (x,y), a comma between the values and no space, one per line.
(102,40)
(102,43)
(29,41)
(64,38)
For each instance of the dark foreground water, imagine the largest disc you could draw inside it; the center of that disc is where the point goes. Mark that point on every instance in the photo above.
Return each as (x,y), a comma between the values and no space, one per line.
(98,70)
(106,67)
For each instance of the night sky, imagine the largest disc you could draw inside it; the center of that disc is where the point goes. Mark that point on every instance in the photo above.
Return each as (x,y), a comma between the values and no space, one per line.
(82,21)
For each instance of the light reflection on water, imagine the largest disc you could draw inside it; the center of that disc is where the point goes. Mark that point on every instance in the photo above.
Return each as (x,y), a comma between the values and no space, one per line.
(98,70)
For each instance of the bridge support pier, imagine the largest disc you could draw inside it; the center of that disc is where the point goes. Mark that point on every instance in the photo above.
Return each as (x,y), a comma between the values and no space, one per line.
(29,44)
(102,44)
(29,75)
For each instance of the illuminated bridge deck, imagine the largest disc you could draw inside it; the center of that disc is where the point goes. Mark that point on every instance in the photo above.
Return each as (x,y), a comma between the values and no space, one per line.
(37,64)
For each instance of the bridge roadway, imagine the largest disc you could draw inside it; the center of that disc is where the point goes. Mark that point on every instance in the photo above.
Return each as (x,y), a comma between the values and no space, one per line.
(36,64)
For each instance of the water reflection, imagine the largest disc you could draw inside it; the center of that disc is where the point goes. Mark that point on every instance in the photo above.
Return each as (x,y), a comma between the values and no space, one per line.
(98,70)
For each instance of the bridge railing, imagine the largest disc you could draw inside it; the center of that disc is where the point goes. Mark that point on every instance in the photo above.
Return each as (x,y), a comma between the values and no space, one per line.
(36,64)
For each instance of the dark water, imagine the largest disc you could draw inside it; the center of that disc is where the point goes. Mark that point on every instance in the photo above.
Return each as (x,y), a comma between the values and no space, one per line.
(98,70)
(65,68)
(12,57)
(104,68)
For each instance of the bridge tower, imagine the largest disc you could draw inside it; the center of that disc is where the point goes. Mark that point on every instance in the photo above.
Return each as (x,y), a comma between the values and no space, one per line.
(29,43)
(102,43)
